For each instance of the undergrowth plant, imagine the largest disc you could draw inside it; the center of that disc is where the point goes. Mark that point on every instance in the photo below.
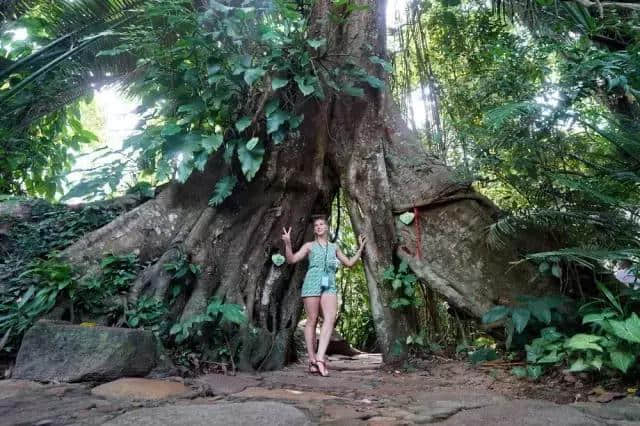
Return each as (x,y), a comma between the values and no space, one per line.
(528,316)
(404,286)
(607,341)
(208,337)
(182,274)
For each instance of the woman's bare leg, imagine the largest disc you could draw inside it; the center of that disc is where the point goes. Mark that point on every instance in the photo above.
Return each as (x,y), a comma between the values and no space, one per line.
(312,308)
(329,304)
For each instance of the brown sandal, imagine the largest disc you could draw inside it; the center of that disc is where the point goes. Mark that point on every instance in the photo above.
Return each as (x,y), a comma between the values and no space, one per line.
(324,367)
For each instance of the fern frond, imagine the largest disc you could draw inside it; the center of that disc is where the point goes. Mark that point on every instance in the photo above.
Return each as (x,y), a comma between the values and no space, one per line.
(497,117)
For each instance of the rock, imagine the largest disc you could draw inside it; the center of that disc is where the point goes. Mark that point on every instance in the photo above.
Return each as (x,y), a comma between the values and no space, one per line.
(283,394)
(220,384)
(384,421)
(136,388)
(60,351)
(339,411)
(524,412)
(226,414)
(337,344)
(431,407)
(624,409)
(10,388)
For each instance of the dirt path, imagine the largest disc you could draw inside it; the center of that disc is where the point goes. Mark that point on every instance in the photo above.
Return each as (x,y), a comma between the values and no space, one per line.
(358,392)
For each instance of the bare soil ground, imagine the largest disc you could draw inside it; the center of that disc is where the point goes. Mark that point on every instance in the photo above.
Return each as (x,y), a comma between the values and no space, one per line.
(357,392)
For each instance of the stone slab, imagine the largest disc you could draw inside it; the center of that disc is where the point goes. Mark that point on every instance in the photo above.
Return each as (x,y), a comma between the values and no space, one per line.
(136,388)
(627,409)
(224,414)
(523,412)
(283,394)
(11,388)
(220,384)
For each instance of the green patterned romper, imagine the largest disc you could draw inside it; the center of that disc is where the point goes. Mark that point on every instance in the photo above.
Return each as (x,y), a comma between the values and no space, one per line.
(322,262)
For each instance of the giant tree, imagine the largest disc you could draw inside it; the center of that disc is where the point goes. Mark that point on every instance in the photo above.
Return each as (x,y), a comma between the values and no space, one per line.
(255,116)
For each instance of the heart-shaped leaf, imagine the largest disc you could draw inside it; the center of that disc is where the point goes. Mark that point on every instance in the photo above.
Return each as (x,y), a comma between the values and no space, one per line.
(243,123)
(278,259)
(278,83)
(315,43)
(406,218)
(252,143)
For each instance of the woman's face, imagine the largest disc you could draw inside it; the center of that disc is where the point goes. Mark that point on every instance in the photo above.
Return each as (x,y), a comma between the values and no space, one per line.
(320,227)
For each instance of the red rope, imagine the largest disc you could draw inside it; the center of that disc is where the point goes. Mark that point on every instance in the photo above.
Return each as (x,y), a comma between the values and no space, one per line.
(416,214)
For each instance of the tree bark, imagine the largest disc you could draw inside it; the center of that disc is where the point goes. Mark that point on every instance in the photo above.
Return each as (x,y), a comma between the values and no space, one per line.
(358,144)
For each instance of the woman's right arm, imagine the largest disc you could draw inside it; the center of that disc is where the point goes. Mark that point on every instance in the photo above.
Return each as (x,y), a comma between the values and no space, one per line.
(288,252)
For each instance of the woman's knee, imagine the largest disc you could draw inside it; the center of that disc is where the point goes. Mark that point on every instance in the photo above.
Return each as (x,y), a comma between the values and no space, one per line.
(312,320)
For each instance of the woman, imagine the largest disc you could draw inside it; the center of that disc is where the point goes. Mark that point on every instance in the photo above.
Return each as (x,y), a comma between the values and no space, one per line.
(319,287)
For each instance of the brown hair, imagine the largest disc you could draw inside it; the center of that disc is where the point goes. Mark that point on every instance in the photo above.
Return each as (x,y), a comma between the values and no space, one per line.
(323,217)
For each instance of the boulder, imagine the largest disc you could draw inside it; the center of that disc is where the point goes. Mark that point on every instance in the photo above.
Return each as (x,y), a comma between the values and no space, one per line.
(64,352)
(337,344)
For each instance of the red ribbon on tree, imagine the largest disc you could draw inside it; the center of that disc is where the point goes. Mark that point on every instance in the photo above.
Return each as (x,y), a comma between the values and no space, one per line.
(416,214)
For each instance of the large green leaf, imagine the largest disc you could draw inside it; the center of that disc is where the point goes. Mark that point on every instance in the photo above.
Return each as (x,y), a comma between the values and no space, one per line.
(305,84)
(583,342)
(495,314)
(278,83)
(222,190)
(610,297)
(406,218)
(250,159)
(243,123)
(622,360)
(350,90)
(482,355)
(253,74)
(374,82)
(520,318)
(540,310)
(170,129)
(578,365)
(278,259)
(275,120)
(628,330)
(211,143)
(252,143)
(316,43)
(295,121)
(384,64)
(598,317)
(233,313)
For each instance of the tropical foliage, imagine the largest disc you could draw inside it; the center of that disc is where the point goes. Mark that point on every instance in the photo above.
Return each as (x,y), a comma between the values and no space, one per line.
(537,103)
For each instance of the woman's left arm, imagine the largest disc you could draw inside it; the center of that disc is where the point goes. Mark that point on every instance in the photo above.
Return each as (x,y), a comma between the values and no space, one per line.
(350,262)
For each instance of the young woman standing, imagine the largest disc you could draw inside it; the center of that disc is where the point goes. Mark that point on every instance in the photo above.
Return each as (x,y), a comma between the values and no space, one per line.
(319,289)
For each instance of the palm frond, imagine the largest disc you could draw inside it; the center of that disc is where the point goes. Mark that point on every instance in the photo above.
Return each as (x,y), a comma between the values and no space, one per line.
(586,257)
(608,224)
(79,30)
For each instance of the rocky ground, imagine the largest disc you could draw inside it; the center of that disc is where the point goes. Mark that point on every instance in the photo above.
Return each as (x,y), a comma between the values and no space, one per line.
(358,392)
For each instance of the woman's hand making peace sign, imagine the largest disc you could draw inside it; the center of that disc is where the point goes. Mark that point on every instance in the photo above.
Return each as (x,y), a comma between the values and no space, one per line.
(286,236)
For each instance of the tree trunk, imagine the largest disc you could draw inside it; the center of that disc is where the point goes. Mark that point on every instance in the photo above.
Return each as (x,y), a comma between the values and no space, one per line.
(358,144)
